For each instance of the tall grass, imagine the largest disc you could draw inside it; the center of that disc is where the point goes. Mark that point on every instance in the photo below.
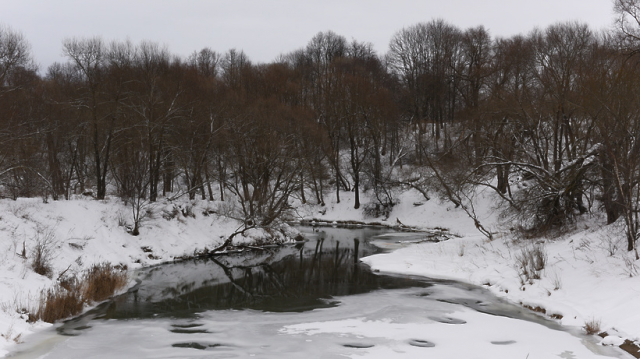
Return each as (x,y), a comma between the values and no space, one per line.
(101,281)
(57,303)
(70,295)
(530,263)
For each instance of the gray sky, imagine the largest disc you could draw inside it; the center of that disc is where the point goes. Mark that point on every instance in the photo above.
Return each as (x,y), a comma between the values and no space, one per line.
(266,28)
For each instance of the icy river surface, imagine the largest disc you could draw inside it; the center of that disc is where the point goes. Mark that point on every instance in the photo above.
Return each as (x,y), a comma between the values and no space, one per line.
(312,300)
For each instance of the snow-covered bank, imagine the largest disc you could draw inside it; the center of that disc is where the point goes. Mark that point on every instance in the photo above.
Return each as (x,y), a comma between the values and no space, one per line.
(82,232)
(588,277)
(588,273)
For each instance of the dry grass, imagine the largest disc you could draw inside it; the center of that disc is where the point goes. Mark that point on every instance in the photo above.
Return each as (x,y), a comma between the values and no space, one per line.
(101,281)
(70,295)
(592,326)
(557,282)
(8,335)
(530,262)
(42,252)
(58,303)
(630,265)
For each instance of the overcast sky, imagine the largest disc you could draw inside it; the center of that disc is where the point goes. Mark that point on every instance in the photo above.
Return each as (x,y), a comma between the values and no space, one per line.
(266,28)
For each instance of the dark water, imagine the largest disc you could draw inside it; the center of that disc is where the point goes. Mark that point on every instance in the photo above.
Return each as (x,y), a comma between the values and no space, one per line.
(314,299)
(293,278)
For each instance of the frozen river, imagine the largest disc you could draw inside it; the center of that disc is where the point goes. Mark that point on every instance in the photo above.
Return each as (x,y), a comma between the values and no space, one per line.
(314,300)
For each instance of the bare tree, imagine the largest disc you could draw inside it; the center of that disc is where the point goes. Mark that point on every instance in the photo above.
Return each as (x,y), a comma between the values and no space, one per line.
(628,24)
(424,57)
(321,51)
(98,107)
(206,62)
(15,53)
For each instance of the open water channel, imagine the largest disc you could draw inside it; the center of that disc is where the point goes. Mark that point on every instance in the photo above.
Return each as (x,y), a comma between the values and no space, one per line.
(311,300)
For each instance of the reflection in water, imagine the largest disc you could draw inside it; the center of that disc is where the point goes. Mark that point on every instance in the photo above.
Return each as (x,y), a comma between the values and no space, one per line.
(288,279)
(301,300)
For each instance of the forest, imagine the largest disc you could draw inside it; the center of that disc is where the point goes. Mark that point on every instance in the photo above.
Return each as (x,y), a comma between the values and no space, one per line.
(549,121)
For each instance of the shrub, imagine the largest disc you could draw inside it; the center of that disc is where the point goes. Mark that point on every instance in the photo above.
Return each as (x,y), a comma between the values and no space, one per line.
(530,262)
(592,326)
(187,211)
(42,252)
(170,214)
(377,209)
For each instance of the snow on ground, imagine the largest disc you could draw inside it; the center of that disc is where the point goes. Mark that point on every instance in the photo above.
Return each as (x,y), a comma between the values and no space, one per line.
(398,323)
(83,232)
(589,276)
(413,210)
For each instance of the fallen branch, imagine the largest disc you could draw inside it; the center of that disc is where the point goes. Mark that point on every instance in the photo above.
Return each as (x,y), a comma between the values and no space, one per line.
(229,240)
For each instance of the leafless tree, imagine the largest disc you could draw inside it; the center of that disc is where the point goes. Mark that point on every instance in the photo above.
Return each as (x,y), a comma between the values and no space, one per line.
(98,107)
(15,54)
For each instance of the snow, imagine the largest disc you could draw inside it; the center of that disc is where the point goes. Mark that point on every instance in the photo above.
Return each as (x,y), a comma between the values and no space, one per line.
(398,323)
(85,232)
(612,340)
(482,333)
(589,276)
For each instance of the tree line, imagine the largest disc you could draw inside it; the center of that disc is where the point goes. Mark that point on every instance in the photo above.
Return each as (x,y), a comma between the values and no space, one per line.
(548,120)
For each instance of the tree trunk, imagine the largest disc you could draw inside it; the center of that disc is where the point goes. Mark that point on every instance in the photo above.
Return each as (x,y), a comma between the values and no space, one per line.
(611,207)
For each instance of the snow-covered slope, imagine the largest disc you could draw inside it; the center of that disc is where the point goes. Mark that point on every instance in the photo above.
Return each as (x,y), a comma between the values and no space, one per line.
(83,232)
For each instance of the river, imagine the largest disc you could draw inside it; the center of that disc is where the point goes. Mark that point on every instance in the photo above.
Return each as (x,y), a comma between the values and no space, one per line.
(311,300)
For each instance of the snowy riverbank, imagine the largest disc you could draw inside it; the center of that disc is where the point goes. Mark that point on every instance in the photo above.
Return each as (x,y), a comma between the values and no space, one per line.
(83,232)
(588,276)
